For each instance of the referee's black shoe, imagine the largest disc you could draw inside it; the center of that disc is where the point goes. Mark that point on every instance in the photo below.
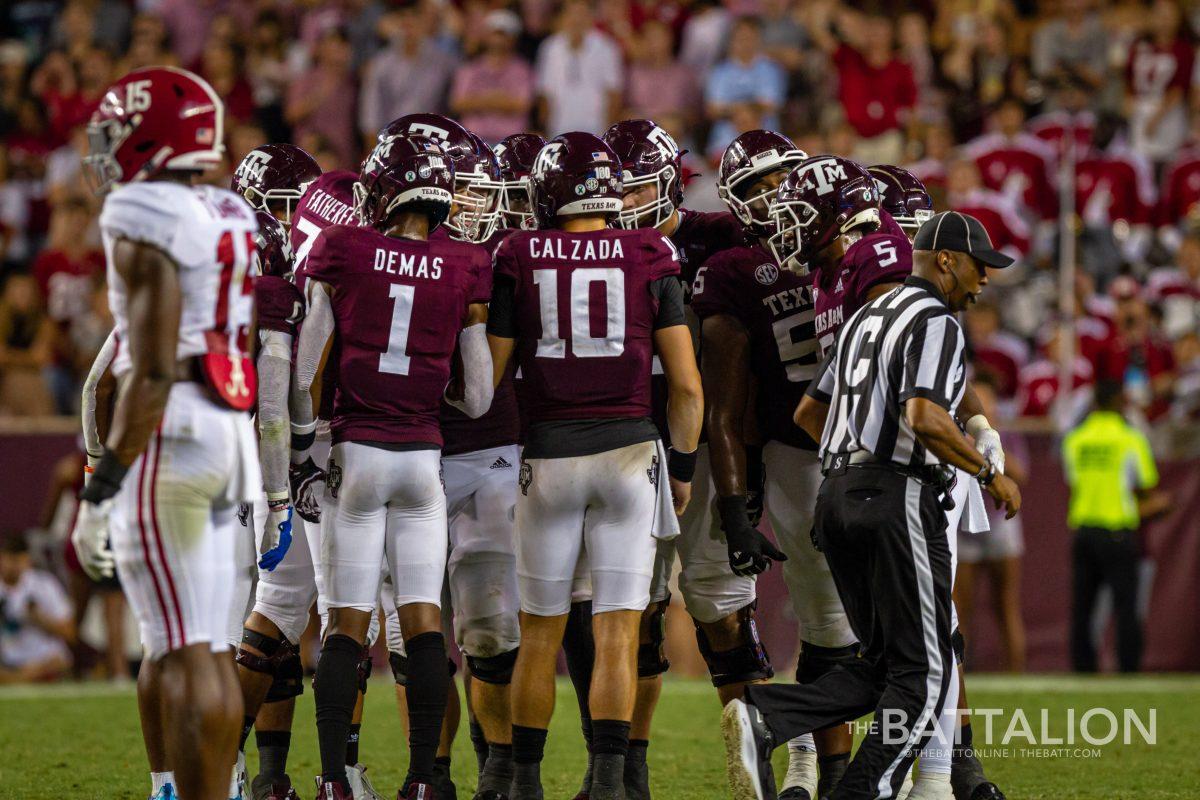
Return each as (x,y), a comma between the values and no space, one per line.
(987,791)
(748,746)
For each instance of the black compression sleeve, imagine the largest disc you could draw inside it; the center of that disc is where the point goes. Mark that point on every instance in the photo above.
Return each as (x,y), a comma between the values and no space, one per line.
(502,310)
(669,292)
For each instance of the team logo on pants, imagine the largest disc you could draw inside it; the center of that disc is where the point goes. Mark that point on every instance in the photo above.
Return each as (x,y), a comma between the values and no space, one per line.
(243,514)
(333,478)
(525,478)
(652,473)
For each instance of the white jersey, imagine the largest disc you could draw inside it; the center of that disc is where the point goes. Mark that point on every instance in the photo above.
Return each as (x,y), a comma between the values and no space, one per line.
(209,232)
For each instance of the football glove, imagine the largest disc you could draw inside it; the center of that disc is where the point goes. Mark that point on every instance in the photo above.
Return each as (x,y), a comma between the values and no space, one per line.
(987,441)
(750,552)
(277,535)
(90,537)
(304,478)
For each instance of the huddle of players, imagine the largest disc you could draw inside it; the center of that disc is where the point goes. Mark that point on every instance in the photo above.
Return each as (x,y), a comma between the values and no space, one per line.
(805,243)
(376,293)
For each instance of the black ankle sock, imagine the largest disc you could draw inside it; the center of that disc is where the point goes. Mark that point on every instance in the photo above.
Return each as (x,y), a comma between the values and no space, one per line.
(335,690)
(273,749)
(247,726)
(352,744)
(580,649)
(529,744)
(830,772)
(428,681)
(610,737)
(479,742)
(637,750)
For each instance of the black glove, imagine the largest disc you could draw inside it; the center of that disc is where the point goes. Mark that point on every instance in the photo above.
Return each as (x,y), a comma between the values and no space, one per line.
(750,552)
(812,537)
(304,478)
(756,480)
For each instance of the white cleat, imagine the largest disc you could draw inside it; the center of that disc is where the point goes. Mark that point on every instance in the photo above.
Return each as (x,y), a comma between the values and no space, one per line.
(360,785)
(166,792)
(747,752)
(238,781)
(931,786)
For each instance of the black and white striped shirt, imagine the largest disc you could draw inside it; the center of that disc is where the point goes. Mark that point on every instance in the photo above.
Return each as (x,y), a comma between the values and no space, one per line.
(904,344)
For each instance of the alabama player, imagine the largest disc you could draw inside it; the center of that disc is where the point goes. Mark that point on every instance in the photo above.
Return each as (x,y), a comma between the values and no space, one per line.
(180,272)
(399,305)
(852,265)
(516,154)
(652,179)
(585,308)
(758,331)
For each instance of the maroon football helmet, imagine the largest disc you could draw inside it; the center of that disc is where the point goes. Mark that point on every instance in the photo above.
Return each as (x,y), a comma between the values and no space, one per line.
(273,245)
(649,156)
(476,173)
(823,198)
(273,177)
(516,154)
(154,119)
(903,196)
(402,171)
(750,157)
(575,173)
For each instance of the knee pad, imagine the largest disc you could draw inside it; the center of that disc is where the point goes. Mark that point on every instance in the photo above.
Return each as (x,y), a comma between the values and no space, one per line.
(399,665)
(364,669)
(746,662)
(652,658)
(272,652)
(495,669)
(959,646)
(816,661)
(289,677)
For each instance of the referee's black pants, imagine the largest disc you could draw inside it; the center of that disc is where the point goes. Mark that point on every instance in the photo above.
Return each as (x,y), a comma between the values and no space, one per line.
(884,535)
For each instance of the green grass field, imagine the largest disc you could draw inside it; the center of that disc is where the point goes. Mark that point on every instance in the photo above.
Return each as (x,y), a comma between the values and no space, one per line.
(82,741)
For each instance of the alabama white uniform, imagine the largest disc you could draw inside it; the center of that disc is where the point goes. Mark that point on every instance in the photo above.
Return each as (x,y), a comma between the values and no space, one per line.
(173,522)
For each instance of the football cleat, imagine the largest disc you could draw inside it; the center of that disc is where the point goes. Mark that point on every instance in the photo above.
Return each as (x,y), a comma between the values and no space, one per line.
(237,782)
(987,791)
(165,792)
(931,786)
(417,791)
(261,788)
(332,790)
(360,785)
(748,745)
(446,790)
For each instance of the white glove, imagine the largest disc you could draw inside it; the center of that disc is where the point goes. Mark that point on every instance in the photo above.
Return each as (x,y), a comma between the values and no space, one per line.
(90,537)
(987,441)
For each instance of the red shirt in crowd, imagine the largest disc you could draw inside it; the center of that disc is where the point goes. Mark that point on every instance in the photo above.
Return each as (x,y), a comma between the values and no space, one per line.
(1114,186)
(1000,219)
(1001,356)
(1053,128)
(873,97)
(1038,385)
(1180,188)
(1019,167)
(1152,70)
(66,282)
(929,171)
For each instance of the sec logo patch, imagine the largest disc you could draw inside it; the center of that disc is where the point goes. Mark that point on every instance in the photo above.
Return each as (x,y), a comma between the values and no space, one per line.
(766,274)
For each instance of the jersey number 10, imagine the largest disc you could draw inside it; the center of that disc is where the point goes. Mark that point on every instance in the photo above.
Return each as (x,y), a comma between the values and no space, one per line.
(582,344)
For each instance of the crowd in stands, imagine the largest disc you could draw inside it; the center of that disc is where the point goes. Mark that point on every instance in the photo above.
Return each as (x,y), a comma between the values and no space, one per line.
(996,106)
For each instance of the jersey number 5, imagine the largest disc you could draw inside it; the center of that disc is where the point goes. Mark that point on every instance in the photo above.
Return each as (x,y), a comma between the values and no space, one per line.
(583,344)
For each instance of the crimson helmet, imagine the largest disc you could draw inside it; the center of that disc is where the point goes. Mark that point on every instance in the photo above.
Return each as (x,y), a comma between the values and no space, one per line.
(649,156)
(273,245)
(151,120)
(516,154)
(903,196)
(476,174)
(273,177)
(405,171)
(823,198)
(575,173)
(750,157)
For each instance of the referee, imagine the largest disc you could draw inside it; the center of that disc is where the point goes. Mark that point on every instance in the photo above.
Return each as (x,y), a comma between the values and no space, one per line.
(882,407)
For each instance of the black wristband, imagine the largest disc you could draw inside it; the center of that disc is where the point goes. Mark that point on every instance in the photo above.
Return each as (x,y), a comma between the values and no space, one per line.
(106,479)
(303,441)
(682,466)
(733,512)
(756,473)
(986,474)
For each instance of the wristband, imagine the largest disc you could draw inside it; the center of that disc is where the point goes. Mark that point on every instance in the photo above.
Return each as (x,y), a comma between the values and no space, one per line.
(733,512)
(682,466)
(106,479)
(976,425)
(303,441)
(986,474)
(277,501)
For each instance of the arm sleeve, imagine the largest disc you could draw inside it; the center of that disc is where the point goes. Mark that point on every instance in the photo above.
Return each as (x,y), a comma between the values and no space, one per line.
(669,292)
(91,435)
(933,360)
(314,335)
(502,320)
(274,381)
(822,385)
(477,372)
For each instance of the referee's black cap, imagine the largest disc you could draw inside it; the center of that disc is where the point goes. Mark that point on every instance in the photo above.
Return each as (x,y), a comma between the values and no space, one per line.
(962,233)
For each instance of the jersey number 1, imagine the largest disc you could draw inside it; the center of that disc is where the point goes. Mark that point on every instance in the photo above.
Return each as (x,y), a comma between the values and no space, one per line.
(395,360)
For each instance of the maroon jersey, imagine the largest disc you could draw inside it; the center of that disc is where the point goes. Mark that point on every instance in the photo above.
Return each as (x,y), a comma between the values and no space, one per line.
(584,313)
(398,307)
(776,308)
(501,425)
(278,304)
(700,234)
(841,290)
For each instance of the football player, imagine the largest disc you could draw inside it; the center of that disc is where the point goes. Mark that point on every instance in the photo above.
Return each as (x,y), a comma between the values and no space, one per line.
(516,154)
(758,330)
(824,233)
(590,476)
(480,459)
(399,306)
(180,273)
(273,178)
